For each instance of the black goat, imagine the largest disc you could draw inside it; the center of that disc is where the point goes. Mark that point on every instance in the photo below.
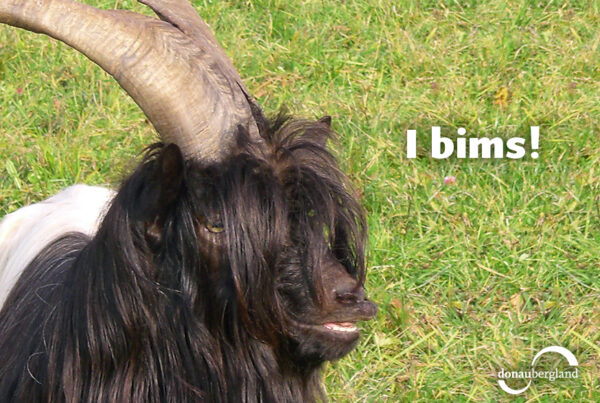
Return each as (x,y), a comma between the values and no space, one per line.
(231,281)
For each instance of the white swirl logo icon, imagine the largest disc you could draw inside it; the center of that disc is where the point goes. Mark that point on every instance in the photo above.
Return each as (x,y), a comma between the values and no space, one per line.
(532,374)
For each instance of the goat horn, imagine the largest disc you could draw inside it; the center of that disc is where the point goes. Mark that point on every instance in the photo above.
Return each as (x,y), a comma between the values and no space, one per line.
(173,68)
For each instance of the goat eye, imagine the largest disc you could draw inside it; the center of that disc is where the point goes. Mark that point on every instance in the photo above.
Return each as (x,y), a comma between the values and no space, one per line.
(215,227)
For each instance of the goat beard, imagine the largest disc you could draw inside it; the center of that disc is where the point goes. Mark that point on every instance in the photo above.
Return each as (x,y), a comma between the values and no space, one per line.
(178,295)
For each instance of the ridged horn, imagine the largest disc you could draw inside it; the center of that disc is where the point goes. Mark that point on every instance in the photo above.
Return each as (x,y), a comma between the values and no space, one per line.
(173,68)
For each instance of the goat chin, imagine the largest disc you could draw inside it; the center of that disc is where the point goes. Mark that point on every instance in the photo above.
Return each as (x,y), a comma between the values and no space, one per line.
(25,232)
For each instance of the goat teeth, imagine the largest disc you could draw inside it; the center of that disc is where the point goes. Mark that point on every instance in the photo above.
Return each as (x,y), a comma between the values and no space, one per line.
(341,327)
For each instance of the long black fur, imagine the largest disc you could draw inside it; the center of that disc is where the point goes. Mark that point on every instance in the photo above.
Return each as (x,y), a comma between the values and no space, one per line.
(203,283)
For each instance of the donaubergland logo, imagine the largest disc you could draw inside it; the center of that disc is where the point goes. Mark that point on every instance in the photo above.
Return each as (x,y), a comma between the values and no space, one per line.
(533,374)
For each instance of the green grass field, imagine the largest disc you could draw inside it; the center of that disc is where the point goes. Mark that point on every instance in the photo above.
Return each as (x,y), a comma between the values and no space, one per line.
(471,277)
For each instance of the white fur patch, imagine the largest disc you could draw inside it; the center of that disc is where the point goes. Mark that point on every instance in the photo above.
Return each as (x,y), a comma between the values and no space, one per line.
(25,232)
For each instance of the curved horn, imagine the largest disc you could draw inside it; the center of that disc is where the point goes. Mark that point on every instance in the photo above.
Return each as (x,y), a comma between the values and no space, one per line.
(173,68)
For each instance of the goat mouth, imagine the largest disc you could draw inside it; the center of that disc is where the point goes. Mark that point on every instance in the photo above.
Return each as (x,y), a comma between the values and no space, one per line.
(346,329)
(338,325)
(343,327)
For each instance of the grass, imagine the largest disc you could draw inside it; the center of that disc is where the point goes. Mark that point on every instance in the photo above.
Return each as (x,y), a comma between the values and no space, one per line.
(470,278)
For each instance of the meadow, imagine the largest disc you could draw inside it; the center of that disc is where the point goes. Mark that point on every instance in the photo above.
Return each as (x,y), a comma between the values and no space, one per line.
(470,277)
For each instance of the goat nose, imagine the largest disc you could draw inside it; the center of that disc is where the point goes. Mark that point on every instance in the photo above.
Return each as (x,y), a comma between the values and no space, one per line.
(350,295)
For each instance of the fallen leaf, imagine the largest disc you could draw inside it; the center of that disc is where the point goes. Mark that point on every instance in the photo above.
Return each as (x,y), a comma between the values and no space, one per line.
(502,97)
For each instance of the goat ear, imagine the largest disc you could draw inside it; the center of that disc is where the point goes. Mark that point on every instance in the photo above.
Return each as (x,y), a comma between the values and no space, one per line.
(326,120)
(165,187)
(158,191)
(322,130)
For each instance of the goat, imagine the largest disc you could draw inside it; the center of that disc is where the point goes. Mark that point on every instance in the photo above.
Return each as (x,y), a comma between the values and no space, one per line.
(229,266)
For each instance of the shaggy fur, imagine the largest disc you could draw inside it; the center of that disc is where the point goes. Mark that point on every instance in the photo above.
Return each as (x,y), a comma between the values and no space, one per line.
(203,283)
